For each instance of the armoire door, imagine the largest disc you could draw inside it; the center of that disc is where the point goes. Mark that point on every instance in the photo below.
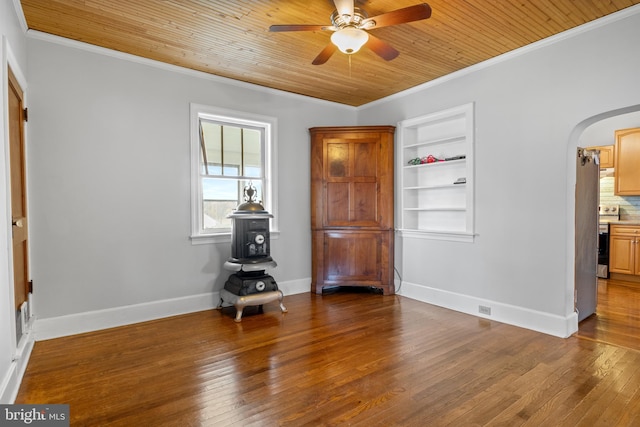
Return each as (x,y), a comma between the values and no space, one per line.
(351,182)
(355,258)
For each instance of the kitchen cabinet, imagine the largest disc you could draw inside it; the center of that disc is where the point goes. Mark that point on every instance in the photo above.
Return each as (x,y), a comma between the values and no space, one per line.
(627,161)
(606,155)
(624,250)
(352,206)
(436,176)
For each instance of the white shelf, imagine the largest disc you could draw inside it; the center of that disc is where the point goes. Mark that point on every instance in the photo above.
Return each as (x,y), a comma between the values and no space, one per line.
(437,235)
(438,209)
(434,164)
(447,140)
(435,187)
(431,205)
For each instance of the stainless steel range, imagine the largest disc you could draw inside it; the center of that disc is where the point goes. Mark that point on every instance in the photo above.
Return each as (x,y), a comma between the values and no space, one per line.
(607,214)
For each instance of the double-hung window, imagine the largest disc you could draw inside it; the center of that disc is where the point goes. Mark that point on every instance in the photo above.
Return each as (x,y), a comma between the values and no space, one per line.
(230,151)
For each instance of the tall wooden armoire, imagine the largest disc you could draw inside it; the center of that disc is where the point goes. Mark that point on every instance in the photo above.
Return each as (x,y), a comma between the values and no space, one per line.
(352,207)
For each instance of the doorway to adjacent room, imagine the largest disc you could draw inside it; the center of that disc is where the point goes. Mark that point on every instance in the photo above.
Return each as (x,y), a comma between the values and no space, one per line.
(617,314)
(19,229)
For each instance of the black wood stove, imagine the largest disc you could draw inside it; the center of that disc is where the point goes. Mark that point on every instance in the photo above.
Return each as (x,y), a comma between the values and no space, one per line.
(250,285)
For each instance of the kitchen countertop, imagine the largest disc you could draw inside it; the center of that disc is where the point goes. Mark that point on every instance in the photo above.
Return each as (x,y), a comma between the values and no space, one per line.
(626,222)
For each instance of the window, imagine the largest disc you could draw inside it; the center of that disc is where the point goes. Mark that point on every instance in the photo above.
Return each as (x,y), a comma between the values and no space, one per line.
(229,150)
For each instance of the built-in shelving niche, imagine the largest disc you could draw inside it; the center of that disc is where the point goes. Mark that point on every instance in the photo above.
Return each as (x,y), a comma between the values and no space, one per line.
(431,204)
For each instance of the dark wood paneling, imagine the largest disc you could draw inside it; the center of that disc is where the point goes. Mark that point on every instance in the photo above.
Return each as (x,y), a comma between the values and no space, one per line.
(353,257)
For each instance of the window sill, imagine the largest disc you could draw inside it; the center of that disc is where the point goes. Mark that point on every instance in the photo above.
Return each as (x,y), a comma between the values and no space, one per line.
(206,239)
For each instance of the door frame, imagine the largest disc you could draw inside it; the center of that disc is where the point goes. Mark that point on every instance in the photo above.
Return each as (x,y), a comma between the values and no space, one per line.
(19,212)
(9,61)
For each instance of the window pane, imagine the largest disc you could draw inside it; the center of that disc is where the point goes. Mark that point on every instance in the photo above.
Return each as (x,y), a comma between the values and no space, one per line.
(215,214)
(219,198)
(232,147)
(231,170)
(252,153)
(219,189)
(211,133)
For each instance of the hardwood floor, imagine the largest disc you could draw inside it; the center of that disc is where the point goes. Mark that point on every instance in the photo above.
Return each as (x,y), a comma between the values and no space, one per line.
(617,317)
(338,359)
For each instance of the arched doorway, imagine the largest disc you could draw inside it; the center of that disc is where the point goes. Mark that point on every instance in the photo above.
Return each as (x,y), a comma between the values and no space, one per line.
(584,135)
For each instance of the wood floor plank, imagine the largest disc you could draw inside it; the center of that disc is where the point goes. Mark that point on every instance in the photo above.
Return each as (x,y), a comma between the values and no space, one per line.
(617,317)
(347,358)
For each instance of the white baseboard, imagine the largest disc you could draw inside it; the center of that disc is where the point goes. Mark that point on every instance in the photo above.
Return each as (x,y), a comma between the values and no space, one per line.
(78,323)
(13,377)
(292,287)
(513,315)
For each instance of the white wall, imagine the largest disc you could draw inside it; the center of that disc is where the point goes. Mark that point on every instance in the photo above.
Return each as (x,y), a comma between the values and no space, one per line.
(527,106)
(12,52)
(110,184)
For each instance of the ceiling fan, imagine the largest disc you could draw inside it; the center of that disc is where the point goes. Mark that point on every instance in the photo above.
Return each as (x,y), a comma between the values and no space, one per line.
(350,25)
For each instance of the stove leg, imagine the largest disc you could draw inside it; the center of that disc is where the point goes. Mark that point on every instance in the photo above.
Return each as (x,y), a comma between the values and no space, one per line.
(240,302)
(239,309)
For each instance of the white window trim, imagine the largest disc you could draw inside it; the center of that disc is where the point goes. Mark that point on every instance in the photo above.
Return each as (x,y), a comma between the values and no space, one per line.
(270,182)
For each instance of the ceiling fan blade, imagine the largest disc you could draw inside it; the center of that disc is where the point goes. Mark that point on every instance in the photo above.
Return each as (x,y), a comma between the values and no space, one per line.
(280,28)
(382,48)
(400,16)
(344,7)
(325,54)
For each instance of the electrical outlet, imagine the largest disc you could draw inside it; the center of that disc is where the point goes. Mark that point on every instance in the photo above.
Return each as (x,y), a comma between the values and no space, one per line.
(24,315)
(483,309)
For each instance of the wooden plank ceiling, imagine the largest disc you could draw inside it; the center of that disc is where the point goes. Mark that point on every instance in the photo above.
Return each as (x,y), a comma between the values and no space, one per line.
(231,38)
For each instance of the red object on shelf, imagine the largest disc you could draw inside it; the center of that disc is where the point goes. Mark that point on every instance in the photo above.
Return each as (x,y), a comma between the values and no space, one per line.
(429,159)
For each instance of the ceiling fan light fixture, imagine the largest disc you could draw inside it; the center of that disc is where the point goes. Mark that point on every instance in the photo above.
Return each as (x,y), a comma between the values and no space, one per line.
(349,40)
